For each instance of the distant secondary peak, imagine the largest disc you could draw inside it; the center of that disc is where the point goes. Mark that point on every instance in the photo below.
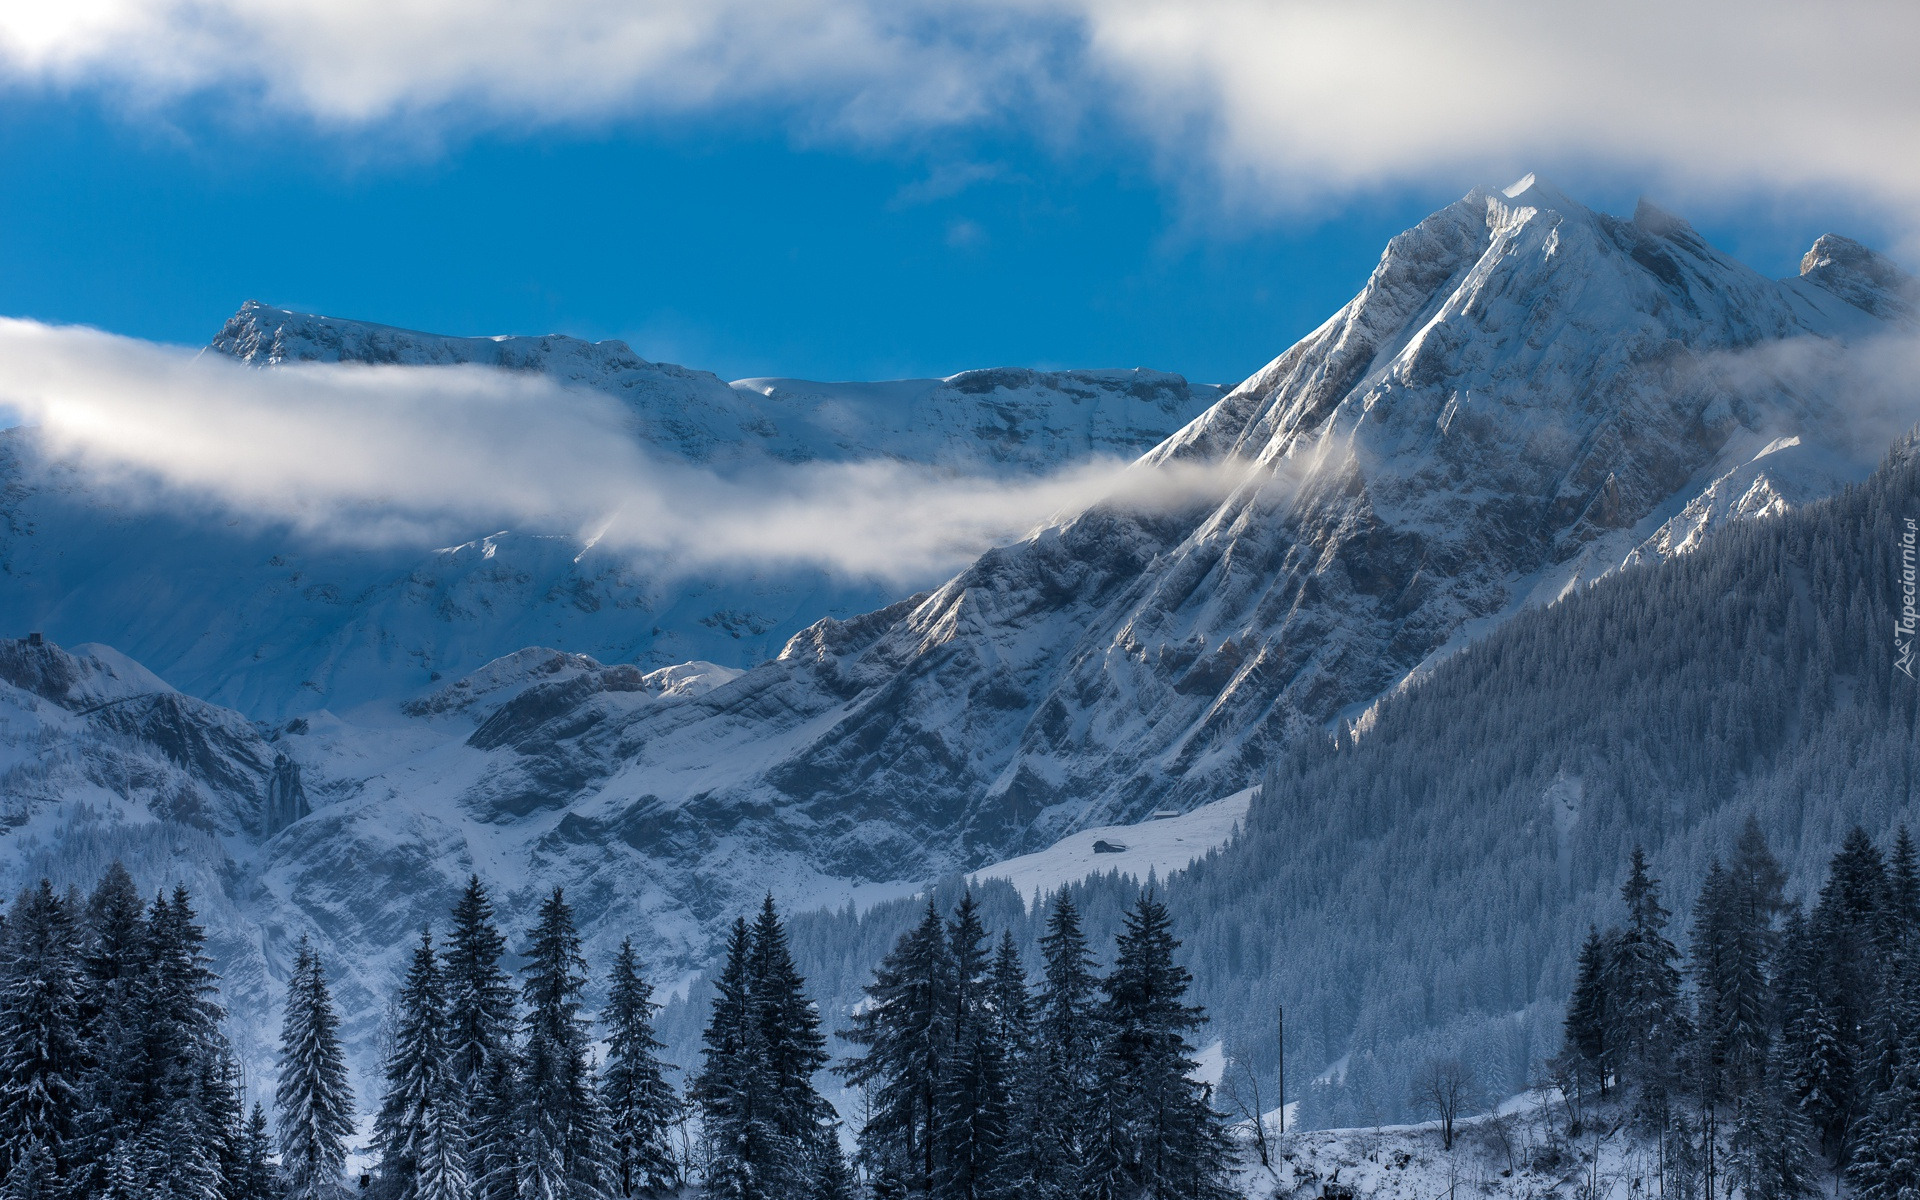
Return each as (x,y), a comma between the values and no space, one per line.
(1651,218)
(1862,277)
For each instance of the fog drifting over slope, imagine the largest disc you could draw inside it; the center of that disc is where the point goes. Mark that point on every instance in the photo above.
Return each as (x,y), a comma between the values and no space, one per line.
(390,454)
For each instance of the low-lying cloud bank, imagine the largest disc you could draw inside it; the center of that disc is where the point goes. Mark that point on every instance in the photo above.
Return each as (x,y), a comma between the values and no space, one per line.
(379,455)
(1283,96)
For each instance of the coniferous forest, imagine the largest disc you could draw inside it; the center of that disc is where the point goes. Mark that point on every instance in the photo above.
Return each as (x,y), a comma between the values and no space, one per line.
(1762,1049)
(1779,1044)
(975,1082)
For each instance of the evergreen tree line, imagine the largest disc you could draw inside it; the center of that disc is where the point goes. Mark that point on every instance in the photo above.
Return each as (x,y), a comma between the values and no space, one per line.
(115,1077)
(117,1082)
(975,1085)
(1780,1036)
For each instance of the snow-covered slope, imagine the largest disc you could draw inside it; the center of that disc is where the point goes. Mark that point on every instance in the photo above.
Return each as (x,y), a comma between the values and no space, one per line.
(275,625)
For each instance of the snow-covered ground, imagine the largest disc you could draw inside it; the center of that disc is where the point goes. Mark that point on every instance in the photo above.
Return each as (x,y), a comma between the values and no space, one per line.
(1531,1148)
(1156,846)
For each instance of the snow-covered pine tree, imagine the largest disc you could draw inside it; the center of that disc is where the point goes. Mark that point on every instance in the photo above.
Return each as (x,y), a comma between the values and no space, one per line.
(1758,882)
(1156,1136)
(492,1131)
(562,1126)
(421,1101)
(1773,1156)
(480,999)
(1588,1022)
(747,1158)
(480,1042)
(790,1031)
(971,1117)
(257,1178)
(640,1103)
(192,1124)
(312,1100)
(40,1050)
(833,1180)
(907,1029)
(1885,1161)
(1849,938)
(441,1170)
(1062,1066)
(794,1044)
(1903,884)
(113,957)
(1647,1017)
(1010,1016)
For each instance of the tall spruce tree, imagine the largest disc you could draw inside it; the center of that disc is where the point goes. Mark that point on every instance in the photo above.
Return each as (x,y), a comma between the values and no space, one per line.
(747,1156)
(562,1126)
(481,1053)
(790,1033)
(1773,1141)
(907,1029)
(257,1178)
(113,957)
(1156,1136)
(1010,1021)
(1885,1163)
(1848,931)
(640,1104)
(422,1102)
(312,1100)
(191,1134)
(971,1110)
(1648,1021)
(1589,1022)
(480,998)
(40,1050)
(1063,1082)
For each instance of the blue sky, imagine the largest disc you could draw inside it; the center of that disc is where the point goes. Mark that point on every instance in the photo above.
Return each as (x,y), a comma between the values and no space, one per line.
(764,239)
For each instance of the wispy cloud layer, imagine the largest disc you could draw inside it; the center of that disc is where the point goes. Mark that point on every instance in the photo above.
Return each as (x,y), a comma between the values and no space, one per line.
(1282,97)
(378,455)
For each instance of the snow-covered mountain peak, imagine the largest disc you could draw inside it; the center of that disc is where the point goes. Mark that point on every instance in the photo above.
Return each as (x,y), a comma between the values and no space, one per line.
(1862,277)
(262,335)
(83,678)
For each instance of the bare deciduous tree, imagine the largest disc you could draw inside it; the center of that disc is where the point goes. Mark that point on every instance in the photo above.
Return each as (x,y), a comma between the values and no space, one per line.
(1445,1088)
(1243,1094)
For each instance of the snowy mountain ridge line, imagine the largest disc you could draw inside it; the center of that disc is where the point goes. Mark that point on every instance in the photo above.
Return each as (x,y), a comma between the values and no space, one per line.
(1010,417)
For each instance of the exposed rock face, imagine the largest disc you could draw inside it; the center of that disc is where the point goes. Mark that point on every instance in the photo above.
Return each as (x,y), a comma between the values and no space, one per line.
(286,800)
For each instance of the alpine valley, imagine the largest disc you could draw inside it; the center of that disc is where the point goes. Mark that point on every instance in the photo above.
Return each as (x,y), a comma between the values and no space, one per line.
(1538,429)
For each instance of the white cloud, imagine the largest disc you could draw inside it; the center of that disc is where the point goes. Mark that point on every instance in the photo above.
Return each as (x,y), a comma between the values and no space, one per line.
(433,454)
(1286,97)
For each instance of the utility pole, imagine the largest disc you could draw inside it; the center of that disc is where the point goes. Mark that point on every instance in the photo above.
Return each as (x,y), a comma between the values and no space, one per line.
(1281,1011)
